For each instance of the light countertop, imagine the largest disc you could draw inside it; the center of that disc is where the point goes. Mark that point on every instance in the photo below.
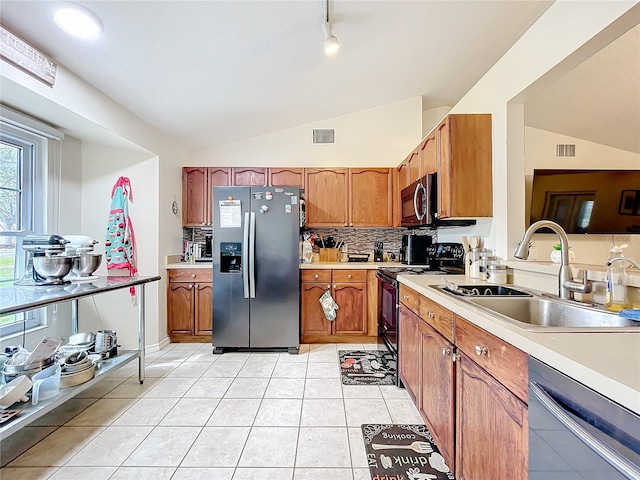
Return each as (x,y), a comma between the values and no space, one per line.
(606,362)
(177,264)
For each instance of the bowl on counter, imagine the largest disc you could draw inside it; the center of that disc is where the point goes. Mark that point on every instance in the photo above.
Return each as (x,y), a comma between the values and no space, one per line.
(53,267)
(85,264)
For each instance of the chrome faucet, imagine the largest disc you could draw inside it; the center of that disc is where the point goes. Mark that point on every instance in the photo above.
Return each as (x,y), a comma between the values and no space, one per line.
(623,259)
(566,285)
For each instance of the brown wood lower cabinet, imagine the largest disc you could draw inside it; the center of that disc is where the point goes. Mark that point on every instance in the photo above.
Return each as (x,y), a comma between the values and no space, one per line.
(409,358)
(471,390)
(189,305)
(493,430)
(349,290)
(437,393)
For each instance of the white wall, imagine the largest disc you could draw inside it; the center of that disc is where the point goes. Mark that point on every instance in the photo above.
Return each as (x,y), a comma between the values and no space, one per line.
(80,110)
(101,168)
(432,117)
(377,137)
(548,49)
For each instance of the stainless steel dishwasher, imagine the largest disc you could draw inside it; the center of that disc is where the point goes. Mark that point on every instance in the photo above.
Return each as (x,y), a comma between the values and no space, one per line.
(576,433)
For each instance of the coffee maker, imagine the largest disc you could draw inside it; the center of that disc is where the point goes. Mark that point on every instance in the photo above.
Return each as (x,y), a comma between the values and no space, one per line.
(414,249)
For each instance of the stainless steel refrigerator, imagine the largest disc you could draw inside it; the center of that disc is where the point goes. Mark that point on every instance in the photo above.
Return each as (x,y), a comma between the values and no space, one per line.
(256,289)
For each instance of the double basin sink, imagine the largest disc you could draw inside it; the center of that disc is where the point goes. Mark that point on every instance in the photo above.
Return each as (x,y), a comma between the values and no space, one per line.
(539,312)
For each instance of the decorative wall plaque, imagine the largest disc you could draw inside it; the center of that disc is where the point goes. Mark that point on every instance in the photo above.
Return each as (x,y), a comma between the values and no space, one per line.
(18,52)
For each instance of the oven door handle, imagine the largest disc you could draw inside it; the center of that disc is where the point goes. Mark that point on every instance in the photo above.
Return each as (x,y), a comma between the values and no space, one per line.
(609,455)
(384,278)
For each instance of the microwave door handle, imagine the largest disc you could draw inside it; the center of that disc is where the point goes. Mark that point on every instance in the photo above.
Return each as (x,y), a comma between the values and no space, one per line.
(419,214)
(609,455)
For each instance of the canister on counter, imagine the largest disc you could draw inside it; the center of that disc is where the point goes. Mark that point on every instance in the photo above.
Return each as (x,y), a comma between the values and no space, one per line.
(474,262)
(486,259)
(497,274)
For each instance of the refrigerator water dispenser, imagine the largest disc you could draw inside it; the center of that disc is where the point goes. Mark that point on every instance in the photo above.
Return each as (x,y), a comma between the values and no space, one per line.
(230,257)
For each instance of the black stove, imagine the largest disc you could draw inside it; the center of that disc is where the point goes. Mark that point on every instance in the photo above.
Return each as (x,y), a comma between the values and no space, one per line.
(393,272)
(442,258)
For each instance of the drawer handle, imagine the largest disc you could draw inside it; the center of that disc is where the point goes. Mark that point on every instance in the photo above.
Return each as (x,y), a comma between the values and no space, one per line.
(455,357)
(481,350)
(317,276)
(431,314)
(193,275)
(446,351)
(406,297)
(349,276)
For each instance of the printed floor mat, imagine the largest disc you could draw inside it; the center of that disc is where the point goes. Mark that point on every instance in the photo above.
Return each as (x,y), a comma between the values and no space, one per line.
(367,367)
(403,452)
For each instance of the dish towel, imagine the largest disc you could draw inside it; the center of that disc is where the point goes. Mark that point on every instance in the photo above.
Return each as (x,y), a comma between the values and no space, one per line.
(631,314)
(120,239)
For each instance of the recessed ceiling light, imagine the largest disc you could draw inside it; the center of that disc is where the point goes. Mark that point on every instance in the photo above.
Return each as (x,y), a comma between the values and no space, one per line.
(78,21)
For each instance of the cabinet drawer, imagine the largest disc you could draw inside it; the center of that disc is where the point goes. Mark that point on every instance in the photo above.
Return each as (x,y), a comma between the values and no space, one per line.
(502,360)
(204,275)
(348,276)
(316,275)
(410,298)
(440,318)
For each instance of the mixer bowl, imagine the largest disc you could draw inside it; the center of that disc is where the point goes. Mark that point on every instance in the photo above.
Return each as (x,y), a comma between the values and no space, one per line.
(53,267)
(86,263)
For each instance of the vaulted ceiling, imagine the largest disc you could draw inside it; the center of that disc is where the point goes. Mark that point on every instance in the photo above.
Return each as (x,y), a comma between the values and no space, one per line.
(213,72)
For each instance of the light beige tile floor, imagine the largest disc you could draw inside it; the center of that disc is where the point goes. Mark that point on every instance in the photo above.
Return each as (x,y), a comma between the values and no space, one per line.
(238,416)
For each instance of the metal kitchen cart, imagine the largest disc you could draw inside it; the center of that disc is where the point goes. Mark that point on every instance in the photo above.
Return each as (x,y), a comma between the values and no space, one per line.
(17,299)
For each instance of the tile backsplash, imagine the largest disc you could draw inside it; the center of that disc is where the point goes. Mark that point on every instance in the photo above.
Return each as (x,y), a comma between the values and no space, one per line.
(358,240)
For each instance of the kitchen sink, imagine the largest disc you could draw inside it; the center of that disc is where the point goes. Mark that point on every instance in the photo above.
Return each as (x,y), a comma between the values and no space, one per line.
(484,290)
(542,314)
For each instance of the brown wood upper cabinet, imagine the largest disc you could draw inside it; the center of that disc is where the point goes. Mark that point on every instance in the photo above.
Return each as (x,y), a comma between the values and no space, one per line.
(429,155)
(197,184)
(287,176)
(464,166)
(249,176)
(353,197)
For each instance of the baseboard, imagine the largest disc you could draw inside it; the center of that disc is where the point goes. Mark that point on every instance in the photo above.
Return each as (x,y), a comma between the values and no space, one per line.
(156,347)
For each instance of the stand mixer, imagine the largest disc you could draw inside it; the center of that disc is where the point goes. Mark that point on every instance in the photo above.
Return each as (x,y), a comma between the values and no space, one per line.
(43,246)
(50,258)
(85,262)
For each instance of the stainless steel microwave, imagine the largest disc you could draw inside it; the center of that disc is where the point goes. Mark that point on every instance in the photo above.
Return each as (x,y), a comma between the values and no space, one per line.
(418,202)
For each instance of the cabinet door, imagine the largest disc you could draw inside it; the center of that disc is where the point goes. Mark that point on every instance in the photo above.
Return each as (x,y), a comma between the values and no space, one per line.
(195,208)
(326,197)
(409,354)
(180,312)
(249,176)
(217,177)
(492,428)
(437,389)
(429,155)
(313,320)
(203,308)
(403,175)
(351,317)
(414,166)
(370,197)
(444,169)
(291,177)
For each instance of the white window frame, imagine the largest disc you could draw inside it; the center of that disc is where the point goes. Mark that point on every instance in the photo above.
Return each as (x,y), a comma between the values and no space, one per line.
(33,212)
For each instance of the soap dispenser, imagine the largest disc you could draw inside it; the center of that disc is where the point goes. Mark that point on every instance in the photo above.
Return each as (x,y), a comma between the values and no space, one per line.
(616,282)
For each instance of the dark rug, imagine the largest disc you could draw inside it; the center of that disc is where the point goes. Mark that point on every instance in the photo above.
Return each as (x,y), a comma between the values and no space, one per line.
(403,452)
(367,367)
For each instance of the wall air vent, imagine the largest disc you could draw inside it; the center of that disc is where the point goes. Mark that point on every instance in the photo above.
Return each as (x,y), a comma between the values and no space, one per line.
(566,150)
(324,136)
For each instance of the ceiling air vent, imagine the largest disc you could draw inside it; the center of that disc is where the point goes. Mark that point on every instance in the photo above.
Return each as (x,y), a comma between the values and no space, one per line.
(324,136)
(566,150)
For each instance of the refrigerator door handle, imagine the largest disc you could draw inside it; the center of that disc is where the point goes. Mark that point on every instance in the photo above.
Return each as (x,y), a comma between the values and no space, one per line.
(252,256)
(245,246)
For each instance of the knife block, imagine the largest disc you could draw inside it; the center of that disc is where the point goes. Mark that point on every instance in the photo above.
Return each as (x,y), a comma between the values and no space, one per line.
(329,255)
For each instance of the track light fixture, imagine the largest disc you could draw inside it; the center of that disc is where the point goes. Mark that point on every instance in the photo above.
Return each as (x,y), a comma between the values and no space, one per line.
(330,41)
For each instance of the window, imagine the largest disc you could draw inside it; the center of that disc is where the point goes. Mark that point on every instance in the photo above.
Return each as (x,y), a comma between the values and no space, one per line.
(21,210)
